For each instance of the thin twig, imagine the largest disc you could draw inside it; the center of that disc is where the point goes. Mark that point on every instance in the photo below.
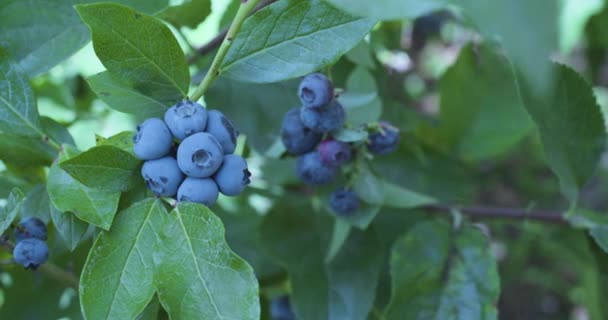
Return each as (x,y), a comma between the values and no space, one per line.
(505,213)
(217,40)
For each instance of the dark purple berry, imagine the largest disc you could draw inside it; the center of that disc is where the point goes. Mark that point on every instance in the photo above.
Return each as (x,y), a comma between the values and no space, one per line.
(344,202)
(315,91)
(385,140)
(31,253)
(30,227)
(297,138)
(325,119)
(335,153)
(311,170)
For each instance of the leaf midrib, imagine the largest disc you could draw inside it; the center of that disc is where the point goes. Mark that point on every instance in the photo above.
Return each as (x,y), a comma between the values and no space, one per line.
(20,116)
(136,239)
(278,44)
(198,271)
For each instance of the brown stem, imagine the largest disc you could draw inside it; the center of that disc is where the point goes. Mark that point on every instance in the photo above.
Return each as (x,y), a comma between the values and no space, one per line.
(217,40)
(505,213)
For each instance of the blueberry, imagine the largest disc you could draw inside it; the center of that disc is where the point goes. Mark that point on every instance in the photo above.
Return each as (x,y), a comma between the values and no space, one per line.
(31,253)
(162,176)
(324,120)
(232,177)
(223,129)
(202,191)
(315,91)
(335,153)
(344,202)
(311,170)
(152,140)
(385,140)
(297,138)
(200,155)
(186,118)
(30,227)
(280,309)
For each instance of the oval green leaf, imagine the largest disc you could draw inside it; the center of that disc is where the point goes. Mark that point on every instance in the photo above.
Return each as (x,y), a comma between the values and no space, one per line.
(291,38)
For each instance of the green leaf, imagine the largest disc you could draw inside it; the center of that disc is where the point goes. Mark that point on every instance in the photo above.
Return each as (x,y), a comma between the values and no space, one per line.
(289,237)
(292,38)
(350,135)
(36,204)
(18,113)
(388,9)
(122,140)
(89,204)
(104,167)
(121,96)
(571,128)
(138,49)
(39,34)
(11,209)
(353,277)
(361,100)
(70,228)
(529,50)
(398,197)
(264,102)
(190,13)
(485,122)
(151,311)
(197,275)
(338,237)
(33,151)
(443,274)
(117,279)
(10,181)
(369,187)
(342,289)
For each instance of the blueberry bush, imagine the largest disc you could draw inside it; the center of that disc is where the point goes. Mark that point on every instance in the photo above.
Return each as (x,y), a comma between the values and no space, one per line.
(303,159)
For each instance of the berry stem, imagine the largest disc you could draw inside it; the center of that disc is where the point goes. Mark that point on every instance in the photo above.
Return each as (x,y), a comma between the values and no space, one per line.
(214,71)
(53,271)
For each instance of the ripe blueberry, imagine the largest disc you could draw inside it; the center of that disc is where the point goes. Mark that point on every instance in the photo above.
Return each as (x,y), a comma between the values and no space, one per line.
(280,309)
(30,227)
(202,191)
(385,140)
(344,202)
(223,129)
(311,170)
(162,176)
(325,119)
(335,153)
(31,253)
(152,140)
(232,177)
(186,118)
(297,138)
(200,155)
(315,91)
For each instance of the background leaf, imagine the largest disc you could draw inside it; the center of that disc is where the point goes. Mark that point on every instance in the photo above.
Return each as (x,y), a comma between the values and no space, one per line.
(187,14)
(18,113)
(292,38)
(68,226)
(388,9)
(571,128)
(11,209)
(443,274)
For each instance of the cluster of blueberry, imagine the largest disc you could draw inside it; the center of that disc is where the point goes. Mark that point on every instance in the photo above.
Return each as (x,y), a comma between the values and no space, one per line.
(307,133)
(31,249)
(202,165)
